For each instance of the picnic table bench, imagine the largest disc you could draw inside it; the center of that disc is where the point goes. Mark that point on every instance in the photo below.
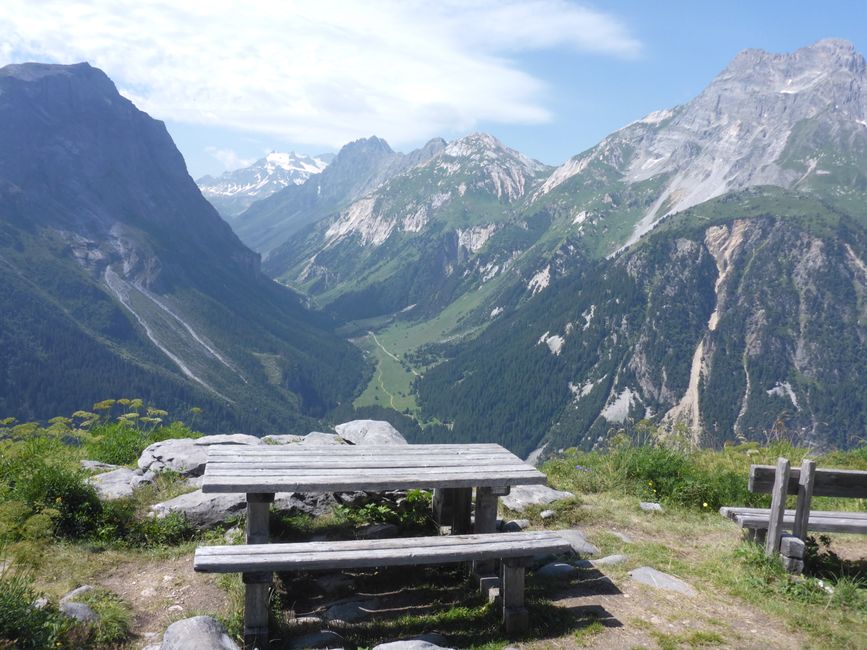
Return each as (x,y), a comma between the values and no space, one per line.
(766,525)
(452,470)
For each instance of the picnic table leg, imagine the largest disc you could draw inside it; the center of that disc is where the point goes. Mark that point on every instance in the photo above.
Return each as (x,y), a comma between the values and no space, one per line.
(778,508)
(256,585)
(463,498)
(442,505)
(515,616)
(485,523)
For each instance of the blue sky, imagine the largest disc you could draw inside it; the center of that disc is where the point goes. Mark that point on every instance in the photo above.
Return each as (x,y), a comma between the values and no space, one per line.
(548,77)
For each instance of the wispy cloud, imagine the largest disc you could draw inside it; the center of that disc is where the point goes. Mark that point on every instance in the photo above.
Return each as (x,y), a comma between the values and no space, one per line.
(229,158)
(318,72)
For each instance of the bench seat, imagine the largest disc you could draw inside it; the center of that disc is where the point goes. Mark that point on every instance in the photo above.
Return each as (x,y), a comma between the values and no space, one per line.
(819,520)
(257,562)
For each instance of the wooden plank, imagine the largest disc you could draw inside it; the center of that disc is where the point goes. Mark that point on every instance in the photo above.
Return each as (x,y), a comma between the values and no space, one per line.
(398,544)
(824,524)
(461,510)
(515,615)
(457,446)
(256,589)
(828,482)
(731,512)
(485,523)
(357,464)
(778,507)
(255,472)
(294,561)
(806,482)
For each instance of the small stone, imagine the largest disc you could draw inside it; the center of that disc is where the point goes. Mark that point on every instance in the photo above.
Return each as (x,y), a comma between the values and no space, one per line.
(98,465)
(353,612)
(547,514)
(335,583)
(579,544)
(516,525)
(650,576)
(78,611)
(522,496)
(791,546)
(410,644)
(377,531)
(76,593)
(556,570)
(197,633)
(321,639)
(175,609)
(623,537)
(608,560)
(793,565)
(40,603)
(649,506)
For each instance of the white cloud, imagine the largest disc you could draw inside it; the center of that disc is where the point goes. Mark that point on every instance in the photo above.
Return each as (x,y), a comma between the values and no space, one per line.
(229,158)
(317,72)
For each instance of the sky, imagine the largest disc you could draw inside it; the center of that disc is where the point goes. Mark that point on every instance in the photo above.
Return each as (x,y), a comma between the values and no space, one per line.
(235,80)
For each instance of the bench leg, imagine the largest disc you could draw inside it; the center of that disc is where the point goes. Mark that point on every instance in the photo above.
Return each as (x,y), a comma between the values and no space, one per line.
(257,585)
(515,616)
(485,523)
(463,498)
(778,507)
(442,506)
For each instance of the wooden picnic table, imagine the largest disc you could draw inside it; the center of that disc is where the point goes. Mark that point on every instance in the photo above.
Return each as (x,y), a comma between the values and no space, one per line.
(452,470)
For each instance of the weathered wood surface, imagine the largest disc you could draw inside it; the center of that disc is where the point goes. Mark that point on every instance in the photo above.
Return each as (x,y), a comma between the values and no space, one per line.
(819,521)
(257,585)
(375,553)
(806,483)
(300,468)
(778,507)
(828,482)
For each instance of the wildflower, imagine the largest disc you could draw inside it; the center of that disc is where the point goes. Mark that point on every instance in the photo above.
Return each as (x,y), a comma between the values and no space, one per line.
(704,505)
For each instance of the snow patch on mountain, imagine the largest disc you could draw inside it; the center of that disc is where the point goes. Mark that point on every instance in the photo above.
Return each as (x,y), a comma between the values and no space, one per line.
(540,281)
(474,239)
(618,410)
(554,342)
(784,389)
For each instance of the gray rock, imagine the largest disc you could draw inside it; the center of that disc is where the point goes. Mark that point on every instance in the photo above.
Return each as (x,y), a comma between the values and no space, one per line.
(522,496)
(187,456)
(556,570)
(370,432)
(650,576)
(609,560)
(377,531)
(78,611)
(202,510)
(98,465)
(410,644)
(284,439)
(792,564)
(516,525)
(152,646)
(319,438)
(352,612)
(791,546)
(76,593)
(293,503)
(321,639)
(649,506)
(118,484)
(579,545)
(547,514)
(197,633)
(332,583)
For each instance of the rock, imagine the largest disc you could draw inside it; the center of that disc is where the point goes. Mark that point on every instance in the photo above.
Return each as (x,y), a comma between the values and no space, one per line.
(623,537)
(335,583)
(202,510)
(516,525)
(197,633)
(235,535)
(522,496)
(321,639)
(579,545)
(609,560)
(649,506)
(187,456)
(352,612)
(370,432)
(409,644)
(556,570)
(152,646)
(649,576)
(79,611)
(283,439)
(293,503)
(76,593)
(319,438)
(547,514)
(377,531)
(40,603)
(791,546)
(119,483)
(792,564)
(98,465)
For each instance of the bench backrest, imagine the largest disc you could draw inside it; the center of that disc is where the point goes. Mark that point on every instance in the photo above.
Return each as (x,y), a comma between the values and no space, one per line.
(828,482)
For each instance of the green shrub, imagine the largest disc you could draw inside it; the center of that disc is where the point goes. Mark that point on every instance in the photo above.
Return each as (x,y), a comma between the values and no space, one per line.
(114,618)
(120,525)
(122,442)
(23,626)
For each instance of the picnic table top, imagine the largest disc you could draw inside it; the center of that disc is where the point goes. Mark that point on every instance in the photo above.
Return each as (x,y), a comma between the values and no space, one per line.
(347,468)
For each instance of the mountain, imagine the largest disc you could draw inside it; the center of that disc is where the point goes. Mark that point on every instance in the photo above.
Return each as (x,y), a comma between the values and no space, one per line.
(118,276)
(235,191)
(471,266)
(358,168)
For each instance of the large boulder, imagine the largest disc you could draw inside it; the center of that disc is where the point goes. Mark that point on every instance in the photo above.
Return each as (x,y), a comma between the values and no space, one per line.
(521,496)
(319,438)
(119,483)
(370,432)
(202,510)
(282,439)
(197,633)
(187,456)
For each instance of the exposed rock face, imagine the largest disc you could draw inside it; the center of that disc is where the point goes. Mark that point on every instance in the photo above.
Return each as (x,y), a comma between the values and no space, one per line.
(203,511)
(370,432)
(187,456)
(119,483)
(197,633)
(522,496)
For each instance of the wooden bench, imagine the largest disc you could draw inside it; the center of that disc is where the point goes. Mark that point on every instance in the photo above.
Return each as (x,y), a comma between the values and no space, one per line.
(257,563)
(766,525)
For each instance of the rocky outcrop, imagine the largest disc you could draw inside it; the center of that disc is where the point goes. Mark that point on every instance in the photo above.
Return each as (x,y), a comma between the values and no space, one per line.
(522,496)
(197,633)
(660,580)
(370,432)
(119,483)
(187,456)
